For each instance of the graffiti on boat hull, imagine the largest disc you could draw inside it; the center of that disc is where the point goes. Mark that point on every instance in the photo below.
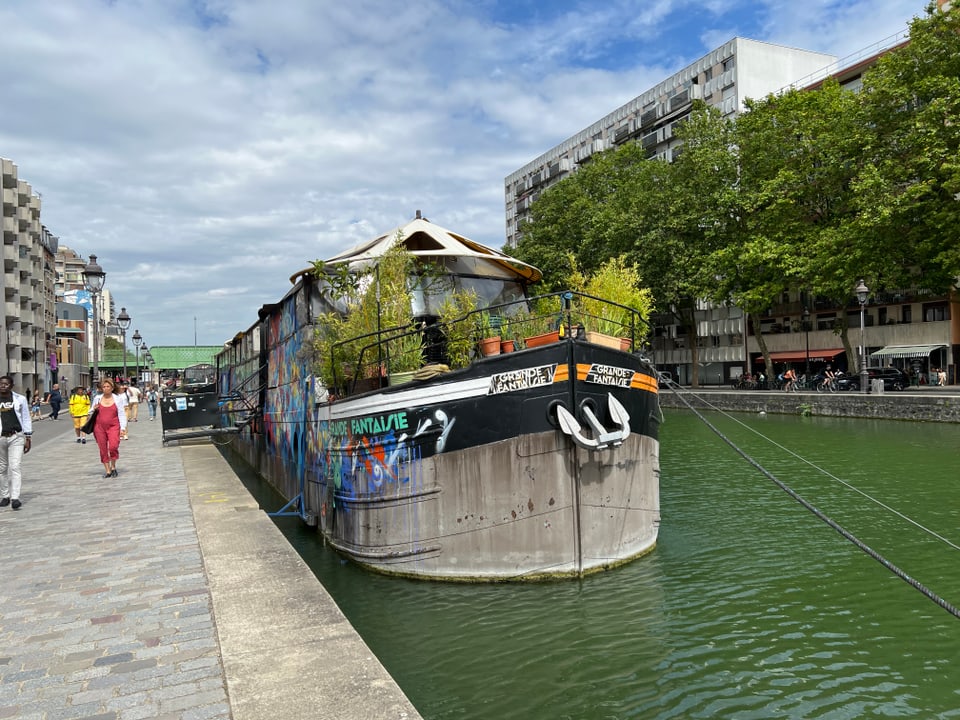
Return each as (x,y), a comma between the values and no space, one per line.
(375,456)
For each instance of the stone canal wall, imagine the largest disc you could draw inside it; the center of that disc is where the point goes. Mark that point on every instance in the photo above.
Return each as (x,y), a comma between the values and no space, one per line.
(888,406)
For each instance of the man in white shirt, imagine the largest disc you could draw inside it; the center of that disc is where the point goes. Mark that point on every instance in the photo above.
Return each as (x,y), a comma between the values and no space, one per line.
(15,431)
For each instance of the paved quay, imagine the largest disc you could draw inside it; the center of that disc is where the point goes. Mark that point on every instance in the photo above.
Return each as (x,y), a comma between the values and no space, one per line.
(166,593)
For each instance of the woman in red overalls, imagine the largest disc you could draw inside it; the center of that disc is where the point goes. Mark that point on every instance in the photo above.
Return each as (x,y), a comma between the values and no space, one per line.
(111,419)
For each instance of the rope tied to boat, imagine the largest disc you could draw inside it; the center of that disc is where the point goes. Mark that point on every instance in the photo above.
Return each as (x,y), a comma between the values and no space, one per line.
(846,534)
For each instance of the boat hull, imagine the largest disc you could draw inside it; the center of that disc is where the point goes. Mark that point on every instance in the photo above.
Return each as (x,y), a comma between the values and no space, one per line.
(473,475)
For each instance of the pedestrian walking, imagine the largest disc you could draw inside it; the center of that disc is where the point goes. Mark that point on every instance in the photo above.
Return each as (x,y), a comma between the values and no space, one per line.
(56,400)
(79,405)
(152,401)
(15,431)
(35,413)
(111,420)
(123,397)
(133,396)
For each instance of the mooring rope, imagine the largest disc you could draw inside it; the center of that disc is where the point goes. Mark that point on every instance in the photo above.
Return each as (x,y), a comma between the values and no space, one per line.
(915,584)
(849,486)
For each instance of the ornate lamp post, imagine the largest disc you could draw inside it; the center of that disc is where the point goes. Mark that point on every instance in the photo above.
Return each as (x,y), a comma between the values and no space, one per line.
(146,351)
(123,322)
(137,339)
(94,278)
(806,332)
(862,292)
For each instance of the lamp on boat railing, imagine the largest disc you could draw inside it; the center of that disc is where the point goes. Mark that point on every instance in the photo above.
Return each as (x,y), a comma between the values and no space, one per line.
(862,292)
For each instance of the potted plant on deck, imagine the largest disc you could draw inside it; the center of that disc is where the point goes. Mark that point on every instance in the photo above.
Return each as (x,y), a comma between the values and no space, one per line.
(457,326)
(354,348)
(544,321)
(489,335)
(612,298)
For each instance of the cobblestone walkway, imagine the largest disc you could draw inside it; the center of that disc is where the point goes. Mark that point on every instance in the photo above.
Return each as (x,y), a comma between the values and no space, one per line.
(105,609)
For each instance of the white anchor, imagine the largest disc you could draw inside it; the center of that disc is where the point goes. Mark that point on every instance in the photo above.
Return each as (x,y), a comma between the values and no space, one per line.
(602,438)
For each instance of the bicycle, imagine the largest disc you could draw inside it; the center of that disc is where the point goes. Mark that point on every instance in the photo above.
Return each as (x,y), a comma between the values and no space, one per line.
(827,385)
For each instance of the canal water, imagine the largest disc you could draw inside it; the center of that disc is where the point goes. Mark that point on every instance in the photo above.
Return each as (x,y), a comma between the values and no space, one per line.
(750,606)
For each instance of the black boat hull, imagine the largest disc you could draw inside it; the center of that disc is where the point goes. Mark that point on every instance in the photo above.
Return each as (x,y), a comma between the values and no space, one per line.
(539,463)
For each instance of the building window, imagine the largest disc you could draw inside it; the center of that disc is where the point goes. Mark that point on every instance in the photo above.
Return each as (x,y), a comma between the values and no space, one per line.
(728,64)
(935,312)
(906,315)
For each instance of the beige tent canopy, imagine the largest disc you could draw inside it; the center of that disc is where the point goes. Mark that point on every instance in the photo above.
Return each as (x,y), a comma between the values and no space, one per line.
(422,238)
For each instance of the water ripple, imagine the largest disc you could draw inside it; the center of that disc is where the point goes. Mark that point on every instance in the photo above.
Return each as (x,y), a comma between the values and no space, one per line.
(750,607)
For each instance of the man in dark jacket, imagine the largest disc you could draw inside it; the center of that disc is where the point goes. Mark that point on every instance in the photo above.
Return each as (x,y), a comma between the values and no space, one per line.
(56,400)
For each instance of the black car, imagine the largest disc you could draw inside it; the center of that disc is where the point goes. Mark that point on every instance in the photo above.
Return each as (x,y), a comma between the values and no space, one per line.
(893,379)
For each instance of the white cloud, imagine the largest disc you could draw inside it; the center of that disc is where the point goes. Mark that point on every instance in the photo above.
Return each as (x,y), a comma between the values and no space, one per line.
(206,151)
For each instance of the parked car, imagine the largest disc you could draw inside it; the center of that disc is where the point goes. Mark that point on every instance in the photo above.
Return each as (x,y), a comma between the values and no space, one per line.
(893,379)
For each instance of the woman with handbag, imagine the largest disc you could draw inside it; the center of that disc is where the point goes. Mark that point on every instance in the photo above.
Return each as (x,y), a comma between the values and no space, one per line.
(110,421)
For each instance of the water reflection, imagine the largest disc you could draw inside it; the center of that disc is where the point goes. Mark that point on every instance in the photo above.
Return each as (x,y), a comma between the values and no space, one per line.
(750,607)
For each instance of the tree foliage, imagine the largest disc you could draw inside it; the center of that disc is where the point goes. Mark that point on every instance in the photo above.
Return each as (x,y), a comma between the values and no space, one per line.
(807,191)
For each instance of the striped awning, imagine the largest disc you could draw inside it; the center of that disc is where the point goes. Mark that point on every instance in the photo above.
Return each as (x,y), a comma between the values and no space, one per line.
(906,351)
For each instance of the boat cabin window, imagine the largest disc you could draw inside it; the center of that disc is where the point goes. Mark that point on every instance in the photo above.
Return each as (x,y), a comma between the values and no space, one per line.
(490,291)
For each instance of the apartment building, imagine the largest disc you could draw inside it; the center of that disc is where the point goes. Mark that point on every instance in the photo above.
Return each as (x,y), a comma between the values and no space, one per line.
(907,327)
(723,78)
(29,315)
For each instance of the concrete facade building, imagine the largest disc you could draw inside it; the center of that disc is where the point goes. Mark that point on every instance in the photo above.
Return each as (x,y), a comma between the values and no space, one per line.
(29,315)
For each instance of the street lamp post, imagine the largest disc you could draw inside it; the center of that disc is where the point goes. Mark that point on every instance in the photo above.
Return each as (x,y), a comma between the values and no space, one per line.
(148,363)
(862,292)
(146,351)
(137,339)
(93,279)
(806,332)
(123,322)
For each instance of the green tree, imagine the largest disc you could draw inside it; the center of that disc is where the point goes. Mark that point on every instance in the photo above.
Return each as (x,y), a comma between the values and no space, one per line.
(569,216)
(908,190)
(796,154)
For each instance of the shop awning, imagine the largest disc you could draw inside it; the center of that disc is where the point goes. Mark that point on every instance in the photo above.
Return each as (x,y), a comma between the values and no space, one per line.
(906,351)
(801,355)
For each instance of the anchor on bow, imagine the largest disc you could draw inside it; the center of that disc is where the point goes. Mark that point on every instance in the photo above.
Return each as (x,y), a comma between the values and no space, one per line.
(601,437)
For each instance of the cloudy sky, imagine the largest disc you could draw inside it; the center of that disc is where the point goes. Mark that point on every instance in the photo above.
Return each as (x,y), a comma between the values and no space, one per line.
(205,150)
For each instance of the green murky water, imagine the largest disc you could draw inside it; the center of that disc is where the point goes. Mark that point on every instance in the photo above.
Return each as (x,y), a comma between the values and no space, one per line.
(750,607)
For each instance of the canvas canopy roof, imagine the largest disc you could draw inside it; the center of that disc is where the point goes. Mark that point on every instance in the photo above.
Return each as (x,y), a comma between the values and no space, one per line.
(425,239)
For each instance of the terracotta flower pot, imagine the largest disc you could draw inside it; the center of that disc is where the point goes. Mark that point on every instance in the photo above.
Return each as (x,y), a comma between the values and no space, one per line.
(507,346)
(490,346)
(544,339)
